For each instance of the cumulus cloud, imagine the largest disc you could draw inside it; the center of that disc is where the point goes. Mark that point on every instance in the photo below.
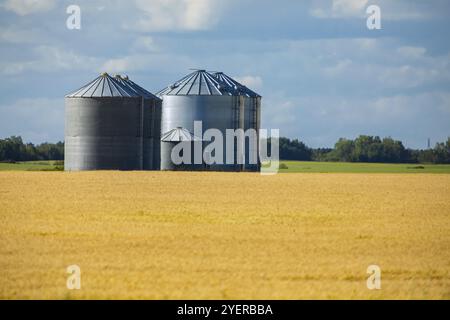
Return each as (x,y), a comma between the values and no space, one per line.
(370,63)
(412,52)
(391,10)
(349,7)
(408,76)
(176,15)
(339,68)
(145,43)
(145,62)
(25,7)
(48,59)
(118,65)
(321,120)
(13,34)
(252,82)
(338,8)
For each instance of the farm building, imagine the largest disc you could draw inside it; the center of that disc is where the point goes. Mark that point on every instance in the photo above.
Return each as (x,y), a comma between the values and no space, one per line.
(217,101)
(183,138)
(112,124)
(252,116)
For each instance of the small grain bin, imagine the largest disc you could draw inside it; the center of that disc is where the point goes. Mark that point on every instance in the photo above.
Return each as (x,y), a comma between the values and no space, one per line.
(174,137)
(104,127)
(252,118)
(152,124)
(200,96)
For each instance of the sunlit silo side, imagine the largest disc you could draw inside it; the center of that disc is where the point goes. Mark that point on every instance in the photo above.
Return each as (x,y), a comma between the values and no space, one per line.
(252,118)
(169,140)
(151,125)
(104,127)
(199,96)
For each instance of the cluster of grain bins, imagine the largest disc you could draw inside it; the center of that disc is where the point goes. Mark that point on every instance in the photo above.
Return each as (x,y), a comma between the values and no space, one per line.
(113,123)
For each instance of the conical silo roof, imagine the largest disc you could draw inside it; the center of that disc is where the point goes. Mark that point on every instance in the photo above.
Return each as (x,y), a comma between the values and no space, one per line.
(197,83)
(103,86)
(179,134)
(125,80)
(243,90)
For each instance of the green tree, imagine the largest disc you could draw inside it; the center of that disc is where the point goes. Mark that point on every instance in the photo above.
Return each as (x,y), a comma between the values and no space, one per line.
(294,150)
(442,152)
(343,150)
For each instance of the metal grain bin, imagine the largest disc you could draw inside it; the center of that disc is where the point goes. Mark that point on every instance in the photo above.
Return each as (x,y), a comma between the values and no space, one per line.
(172,138)
(104,127)
(252,117)
(152,124)
(199,96)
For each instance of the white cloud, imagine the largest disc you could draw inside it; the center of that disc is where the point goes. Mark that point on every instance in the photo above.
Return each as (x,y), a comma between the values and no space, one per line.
(118,65)
(408,76)
(280,113)
(390,10)
(349,7)
(321,120)
(145,62)
(145,43)
(12,34)
(338,8)
(25,7)
(175,15)
(339,68)
(368,63)
(412,52)
(252,82)
(49,59)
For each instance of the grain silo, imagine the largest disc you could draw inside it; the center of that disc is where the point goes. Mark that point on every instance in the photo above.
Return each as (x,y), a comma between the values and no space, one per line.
(199,96)
(170,140)
(104,127)
(152,124)
(252,118)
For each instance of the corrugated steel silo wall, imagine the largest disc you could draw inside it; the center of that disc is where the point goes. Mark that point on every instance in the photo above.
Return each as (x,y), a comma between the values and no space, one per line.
(152,134)
(156,134)
(252,121)
(147,157)
(103,134)
(214,111)
(166,150)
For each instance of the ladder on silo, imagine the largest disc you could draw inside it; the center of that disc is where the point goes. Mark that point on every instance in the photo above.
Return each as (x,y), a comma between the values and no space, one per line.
(236,114)
(255,125)
(254,120)
(238,124)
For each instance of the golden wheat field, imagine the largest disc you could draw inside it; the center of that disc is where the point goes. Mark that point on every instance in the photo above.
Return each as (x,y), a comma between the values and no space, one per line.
(168,235)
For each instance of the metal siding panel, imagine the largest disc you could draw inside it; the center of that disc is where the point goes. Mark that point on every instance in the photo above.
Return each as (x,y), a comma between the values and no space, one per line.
(101,134)
(182,111)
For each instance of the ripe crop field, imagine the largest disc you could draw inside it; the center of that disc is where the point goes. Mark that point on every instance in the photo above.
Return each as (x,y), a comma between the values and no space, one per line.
(181,235)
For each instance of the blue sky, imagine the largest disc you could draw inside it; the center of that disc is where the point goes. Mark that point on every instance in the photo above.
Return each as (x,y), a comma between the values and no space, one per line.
(321,72)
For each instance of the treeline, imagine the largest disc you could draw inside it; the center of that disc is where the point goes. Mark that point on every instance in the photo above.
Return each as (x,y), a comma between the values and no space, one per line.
(362,149)
(14,149)
(365,149)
